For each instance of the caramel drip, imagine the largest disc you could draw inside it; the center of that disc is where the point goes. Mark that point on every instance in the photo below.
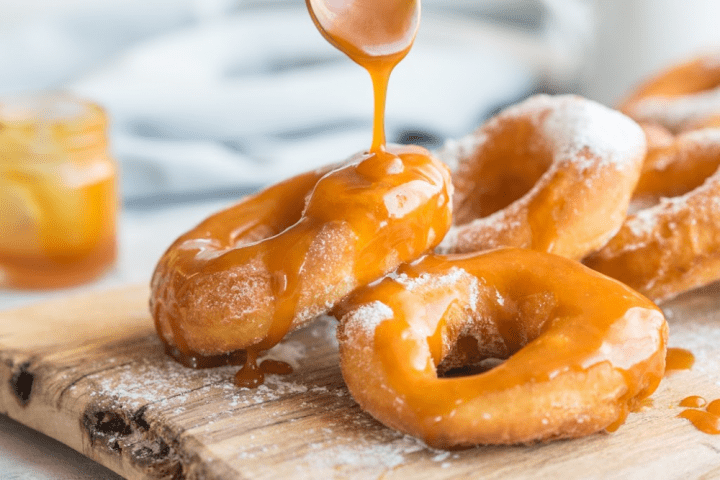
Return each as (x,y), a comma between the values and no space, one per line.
(389,207)
(679,359)
(375,34)
(252,374)
(706,422)
(693,401)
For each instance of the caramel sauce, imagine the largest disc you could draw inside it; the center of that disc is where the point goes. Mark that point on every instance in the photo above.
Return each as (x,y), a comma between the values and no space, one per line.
(679,359)
(392,203)
(375,34)
(706,422)
(693,401)
(548,326)
(713,407)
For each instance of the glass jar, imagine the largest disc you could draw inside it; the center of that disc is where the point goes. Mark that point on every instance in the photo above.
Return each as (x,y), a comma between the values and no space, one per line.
(58,198)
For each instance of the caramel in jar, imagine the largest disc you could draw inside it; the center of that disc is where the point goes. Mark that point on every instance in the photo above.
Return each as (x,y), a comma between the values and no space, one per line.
(57,193)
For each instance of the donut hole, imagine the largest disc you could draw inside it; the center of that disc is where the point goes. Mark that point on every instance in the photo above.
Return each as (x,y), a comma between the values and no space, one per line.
(515,323)
(504,168)
(477,368)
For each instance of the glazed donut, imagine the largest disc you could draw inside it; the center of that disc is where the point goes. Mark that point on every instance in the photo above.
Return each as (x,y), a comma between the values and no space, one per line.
(581,350)
(674,245)
(684,97)
(552,173)
(247,275)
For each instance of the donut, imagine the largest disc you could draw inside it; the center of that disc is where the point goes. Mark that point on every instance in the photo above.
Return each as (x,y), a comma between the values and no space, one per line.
(674,245)
(247,275)
(684,97)
(554,174)
(580,350)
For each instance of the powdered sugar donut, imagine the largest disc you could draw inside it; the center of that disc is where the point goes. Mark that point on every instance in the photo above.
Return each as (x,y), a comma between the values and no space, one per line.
(684,97)
(674,245)
(554,174)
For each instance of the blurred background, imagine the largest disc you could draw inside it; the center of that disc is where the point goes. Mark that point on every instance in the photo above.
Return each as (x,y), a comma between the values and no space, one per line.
(210,96)
(212,99)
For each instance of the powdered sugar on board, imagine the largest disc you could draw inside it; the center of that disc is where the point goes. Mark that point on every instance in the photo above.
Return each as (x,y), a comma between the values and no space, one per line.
(306,425)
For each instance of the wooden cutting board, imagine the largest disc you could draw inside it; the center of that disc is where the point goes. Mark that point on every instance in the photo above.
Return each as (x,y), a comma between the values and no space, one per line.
(90,372)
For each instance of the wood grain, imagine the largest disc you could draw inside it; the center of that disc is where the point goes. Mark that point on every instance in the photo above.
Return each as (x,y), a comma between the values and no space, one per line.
(90,372)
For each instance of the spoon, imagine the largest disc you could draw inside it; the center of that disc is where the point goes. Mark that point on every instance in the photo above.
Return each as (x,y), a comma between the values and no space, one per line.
(368,30)
(376,34)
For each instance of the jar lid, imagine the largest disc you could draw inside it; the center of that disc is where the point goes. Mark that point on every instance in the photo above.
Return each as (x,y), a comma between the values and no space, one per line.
(49,124)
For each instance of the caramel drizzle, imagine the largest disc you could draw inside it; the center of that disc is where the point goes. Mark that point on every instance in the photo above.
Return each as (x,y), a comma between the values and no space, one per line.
(289,255)
(509,281)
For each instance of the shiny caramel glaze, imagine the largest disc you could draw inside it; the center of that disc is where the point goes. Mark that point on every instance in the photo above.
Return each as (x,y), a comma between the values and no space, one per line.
(672,246)
(707,421)
(247,275)
(693,401)
(554,174)
(682,98)
(679,359)
(581,350)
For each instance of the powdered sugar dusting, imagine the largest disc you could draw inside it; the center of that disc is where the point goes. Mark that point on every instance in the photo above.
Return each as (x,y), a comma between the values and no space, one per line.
(453,276)
(389,453)
(367,317)
(455,149)
(705,137)
(290,352)
(677,113)
(590,134)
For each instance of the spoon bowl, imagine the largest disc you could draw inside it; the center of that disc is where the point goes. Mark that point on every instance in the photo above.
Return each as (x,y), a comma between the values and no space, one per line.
(367,29)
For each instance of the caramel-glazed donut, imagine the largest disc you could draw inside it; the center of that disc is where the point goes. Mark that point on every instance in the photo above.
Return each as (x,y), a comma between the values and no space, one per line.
(582,349)
(247,275)
(674,245)
(684,97)
(554,174)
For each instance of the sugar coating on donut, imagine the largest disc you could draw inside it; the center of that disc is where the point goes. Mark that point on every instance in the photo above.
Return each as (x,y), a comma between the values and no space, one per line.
(366,318)
(455,149)
(679,112)
(593,156)
(674,245)
(579,126)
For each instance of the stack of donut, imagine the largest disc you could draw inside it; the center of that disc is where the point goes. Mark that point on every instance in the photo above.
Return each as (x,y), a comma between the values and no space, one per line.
(541,186)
